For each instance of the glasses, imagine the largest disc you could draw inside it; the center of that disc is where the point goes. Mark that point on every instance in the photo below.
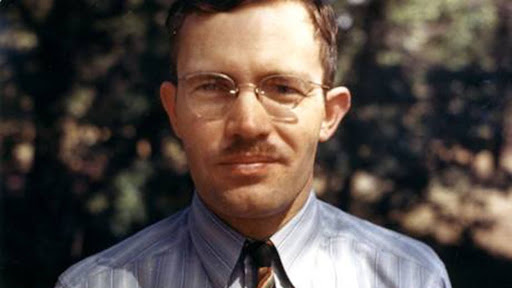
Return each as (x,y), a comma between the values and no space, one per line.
(210,95)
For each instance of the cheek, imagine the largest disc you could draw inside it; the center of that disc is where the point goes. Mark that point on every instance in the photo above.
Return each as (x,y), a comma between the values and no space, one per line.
(200,141)
(302,137)
(301,144)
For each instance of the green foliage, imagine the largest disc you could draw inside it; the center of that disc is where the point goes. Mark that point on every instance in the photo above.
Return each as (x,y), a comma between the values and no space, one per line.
(451,33)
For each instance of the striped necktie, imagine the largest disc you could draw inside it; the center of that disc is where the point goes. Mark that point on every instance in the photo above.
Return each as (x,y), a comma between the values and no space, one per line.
(266,264)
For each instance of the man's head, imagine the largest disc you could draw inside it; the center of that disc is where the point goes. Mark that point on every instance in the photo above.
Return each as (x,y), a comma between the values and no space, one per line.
(322,17)
(250,148)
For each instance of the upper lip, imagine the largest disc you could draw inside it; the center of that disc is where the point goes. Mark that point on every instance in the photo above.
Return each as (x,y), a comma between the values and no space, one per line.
(247,159)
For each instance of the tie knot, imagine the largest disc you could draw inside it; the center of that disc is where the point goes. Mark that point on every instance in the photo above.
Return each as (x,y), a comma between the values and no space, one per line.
(261,252)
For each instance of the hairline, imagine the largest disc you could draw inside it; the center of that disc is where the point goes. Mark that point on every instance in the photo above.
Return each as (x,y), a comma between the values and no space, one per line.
(326,56)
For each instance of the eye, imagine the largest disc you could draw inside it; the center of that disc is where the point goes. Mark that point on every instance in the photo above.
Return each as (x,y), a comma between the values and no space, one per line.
(213,85)
(283,86)
(283,89)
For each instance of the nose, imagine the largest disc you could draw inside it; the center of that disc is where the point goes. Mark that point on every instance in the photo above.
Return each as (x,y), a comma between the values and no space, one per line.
(247,118)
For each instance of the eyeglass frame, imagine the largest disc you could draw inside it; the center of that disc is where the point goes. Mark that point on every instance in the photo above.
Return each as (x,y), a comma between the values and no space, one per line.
(256,87)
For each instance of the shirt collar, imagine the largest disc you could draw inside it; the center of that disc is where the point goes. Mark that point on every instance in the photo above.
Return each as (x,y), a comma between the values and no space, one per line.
(297,237)
(219,246)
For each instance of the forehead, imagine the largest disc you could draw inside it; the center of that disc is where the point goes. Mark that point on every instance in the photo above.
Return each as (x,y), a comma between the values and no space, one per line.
(256,37)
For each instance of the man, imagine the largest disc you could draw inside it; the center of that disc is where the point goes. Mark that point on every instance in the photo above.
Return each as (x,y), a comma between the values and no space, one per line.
(251,97)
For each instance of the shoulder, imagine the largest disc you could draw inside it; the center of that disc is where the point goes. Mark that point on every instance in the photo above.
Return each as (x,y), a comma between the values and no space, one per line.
(378,244)
(164,237)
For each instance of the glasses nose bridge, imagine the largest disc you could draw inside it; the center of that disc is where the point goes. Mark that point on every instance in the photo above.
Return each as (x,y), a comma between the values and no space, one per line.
(249,85)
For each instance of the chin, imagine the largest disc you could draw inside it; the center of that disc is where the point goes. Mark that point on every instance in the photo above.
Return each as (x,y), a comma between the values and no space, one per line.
(256,200)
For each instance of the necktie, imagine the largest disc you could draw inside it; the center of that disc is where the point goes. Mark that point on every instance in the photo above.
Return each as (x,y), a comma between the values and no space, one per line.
(266,264)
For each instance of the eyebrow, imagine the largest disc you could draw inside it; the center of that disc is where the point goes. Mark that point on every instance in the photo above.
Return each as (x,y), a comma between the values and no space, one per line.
(270,72)
(301,74)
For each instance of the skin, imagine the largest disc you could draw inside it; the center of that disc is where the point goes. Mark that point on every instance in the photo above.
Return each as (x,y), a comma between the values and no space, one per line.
(253,172)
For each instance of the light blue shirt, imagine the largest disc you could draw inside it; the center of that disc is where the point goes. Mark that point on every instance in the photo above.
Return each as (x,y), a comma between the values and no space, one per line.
(320,247)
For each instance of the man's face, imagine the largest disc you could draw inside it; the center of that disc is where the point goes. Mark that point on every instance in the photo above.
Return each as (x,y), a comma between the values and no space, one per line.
(246,165)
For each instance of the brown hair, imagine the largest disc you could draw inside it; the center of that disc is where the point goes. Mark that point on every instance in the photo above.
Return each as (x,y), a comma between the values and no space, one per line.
(321,13)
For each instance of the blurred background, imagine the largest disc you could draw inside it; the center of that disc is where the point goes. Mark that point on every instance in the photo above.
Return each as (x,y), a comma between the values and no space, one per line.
(88,157)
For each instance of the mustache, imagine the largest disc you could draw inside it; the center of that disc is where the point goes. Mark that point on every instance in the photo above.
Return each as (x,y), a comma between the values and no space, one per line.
(241,146)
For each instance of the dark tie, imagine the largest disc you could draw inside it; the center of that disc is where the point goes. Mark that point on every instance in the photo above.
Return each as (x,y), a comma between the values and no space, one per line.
(266,264)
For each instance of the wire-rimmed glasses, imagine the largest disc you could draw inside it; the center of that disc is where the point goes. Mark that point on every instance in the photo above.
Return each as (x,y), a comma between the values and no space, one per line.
(210,95)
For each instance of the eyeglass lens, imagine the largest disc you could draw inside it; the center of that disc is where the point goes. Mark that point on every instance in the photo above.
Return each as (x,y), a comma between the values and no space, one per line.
(210,95)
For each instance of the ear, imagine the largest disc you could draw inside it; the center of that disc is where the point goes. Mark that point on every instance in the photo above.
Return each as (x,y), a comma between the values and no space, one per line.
(168,98)
(337,104)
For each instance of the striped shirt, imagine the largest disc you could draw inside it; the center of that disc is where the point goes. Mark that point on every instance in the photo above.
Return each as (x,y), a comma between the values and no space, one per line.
(320,247)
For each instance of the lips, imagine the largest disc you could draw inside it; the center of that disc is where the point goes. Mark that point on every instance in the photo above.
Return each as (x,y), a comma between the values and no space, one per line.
(248,164)
(247,159)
